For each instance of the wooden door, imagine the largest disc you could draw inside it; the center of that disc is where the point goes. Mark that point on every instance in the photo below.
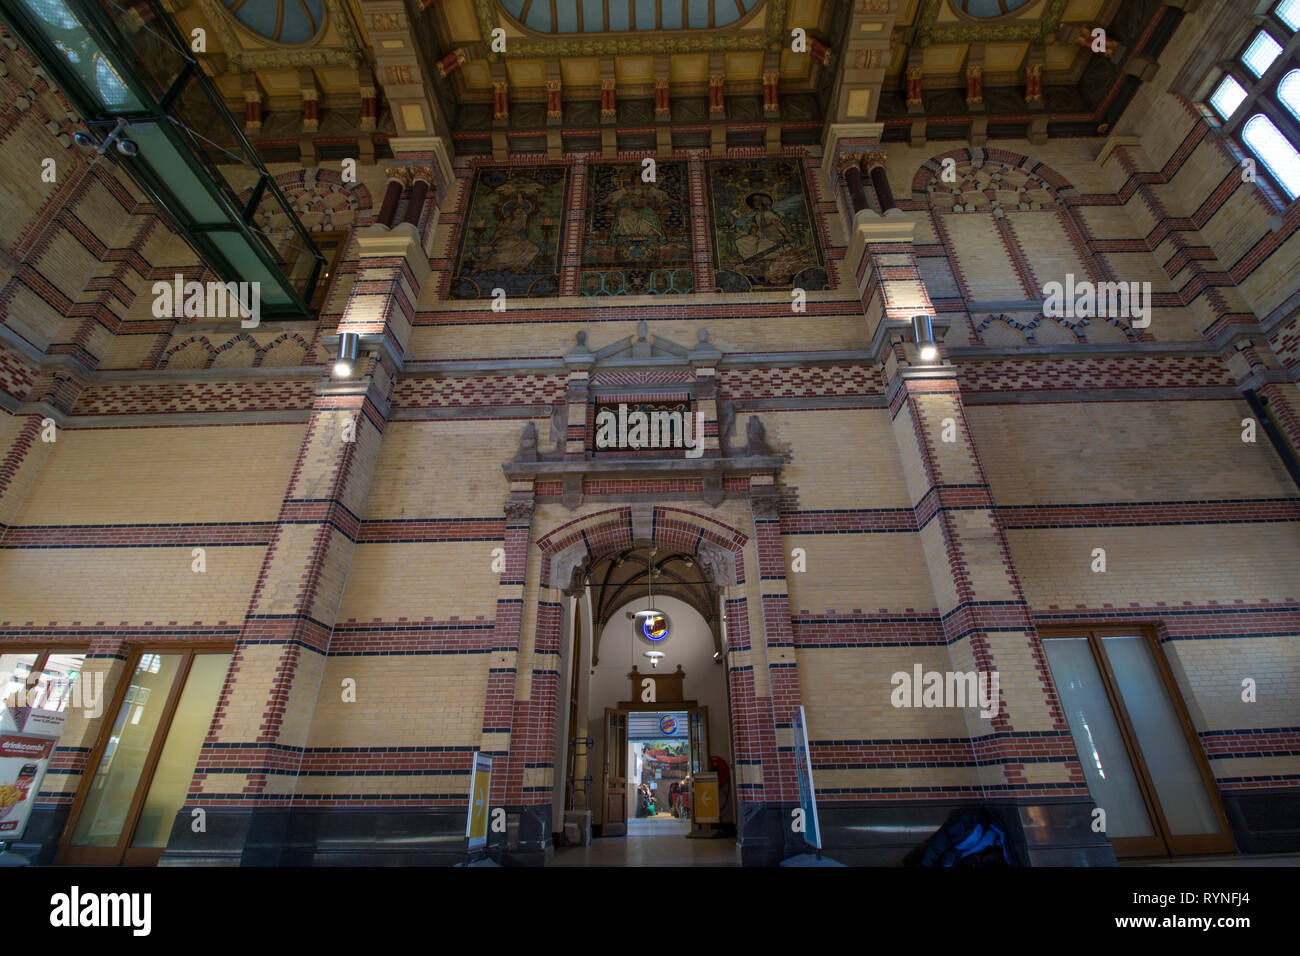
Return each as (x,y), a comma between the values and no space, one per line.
(614,807)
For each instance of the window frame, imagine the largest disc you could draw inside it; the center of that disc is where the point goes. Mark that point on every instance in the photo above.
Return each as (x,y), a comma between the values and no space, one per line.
(1261,96)
(43,650)
(123,853)
(1164,842)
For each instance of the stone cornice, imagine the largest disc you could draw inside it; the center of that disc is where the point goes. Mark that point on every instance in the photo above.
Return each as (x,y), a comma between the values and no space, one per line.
(681,466)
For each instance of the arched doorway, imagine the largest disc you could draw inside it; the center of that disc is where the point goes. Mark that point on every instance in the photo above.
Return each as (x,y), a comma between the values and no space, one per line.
(668,730)
(599,564)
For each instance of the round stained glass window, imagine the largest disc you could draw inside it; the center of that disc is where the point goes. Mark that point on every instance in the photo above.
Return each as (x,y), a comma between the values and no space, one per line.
(284,21)
(988,9)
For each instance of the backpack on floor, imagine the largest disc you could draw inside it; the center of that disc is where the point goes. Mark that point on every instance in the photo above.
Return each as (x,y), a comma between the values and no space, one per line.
(972,839)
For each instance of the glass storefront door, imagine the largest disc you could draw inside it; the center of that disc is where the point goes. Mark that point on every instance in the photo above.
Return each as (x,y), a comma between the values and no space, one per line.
(1144,766)
(145,760)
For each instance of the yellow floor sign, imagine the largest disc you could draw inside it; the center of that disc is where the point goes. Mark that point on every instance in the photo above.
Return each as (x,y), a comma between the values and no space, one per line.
(479,788)
(705,802)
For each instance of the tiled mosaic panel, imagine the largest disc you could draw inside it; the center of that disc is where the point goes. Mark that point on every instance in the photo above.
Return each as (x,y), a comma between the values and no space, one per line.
(511,236)
(637,239)
(763,234)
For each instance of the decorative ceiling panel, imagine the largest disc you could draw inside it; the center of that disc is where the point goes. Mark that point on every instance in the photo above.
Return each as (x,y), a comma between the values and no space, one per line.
(760,27)
(612,16)
(284,21)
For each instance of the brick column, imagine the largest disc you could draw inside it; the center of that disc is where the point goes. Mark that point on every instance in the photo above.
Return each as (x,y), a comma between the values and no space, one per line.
(52,395)
(1176,243)
(247,772)
(781,786)
(1256,367)
(987,622)
(574,218)
(511,711)
(701,256)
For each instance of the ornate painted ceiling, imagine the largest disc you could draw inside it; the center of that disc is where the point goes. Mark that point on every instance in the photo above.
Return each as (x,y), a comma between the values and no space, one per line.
(605,16)
(504,76)
(284,21)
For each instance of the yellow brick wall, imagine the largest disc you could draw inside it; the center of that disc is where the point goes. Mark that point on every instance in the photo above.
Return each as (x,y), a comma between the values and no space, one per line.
(793,331)
(1210,674)
(859,572)
(441,469)
(164,475)
(421,580)
(1097,452)
(828,451)
(402,701)
(846,694)
(1145,565)
(65,586)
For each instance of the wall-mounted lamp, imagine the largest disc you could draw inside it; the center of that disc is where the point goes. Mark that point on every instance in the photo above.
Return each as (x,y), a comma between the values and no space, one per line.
(923,335)
(346,361)
(117,136)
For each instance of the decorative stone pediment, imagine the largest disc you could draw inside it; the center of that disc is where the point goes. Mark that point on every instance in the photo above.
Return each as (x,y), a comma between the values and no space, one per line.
(643,349)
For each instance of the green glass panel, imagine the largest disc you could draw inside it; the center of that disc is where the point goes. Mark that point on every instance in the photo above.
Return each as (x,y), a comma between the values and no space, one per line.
(170,166)
(250,268)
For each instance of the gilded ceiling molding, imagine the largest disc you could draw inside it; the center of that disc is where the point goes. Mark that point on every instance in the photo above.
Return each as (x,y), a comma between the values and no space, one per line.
(720,41)
(982,31)
(309,54)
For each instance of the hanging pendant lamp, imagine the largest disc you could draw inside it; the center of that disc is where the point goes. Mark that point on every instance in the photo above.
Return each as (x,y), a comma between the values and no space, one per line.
(651,626)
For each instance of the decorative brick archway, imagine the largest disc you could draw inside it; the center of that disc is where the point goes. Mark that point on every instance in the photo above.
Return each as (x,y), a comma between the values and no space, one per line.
(762,677)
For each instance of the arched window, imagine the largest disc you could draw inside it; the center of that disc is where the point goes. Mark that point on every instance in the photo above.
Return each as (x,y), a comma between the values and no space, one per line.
(1256,98)
(1288,91)
(1267,142)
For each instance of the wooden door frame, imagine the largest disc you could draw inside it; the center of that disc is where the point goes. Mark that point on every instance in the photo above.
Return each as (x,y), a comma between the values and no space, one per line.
(42,652)
(605,774)
(706,744)
(1164,842)
(122,853)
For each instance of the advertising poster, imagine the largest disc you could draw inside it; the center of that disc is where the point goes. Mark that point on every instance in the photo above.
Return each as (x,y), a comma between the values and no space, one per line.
(27,740)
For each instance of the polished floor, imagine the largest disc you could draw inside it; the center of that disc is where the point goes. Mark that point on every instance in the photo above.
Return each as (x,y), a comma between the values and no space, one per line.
(1227,859)
(658,841)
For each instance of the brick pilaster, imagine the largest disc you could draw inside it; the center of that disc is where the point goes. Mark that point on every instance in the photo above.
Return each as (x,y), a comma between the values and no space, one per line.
(986,620)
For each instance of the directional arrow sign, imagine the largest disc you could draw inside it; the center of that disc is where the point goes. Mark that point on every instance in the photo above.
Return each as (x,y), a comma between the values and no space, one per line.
(480,781)
(705,804)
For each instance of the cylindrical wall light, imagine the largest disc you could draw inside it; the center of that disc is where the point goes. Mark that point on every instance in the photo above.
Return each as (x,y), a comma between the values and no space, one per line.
(347,354)
(923,334)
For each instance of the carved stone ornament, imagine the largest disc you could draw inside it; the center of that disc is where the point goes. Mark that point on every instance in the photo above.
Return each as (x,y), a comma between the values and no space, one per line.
(718,564)
(519,508)
(571,497)
(527,444)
